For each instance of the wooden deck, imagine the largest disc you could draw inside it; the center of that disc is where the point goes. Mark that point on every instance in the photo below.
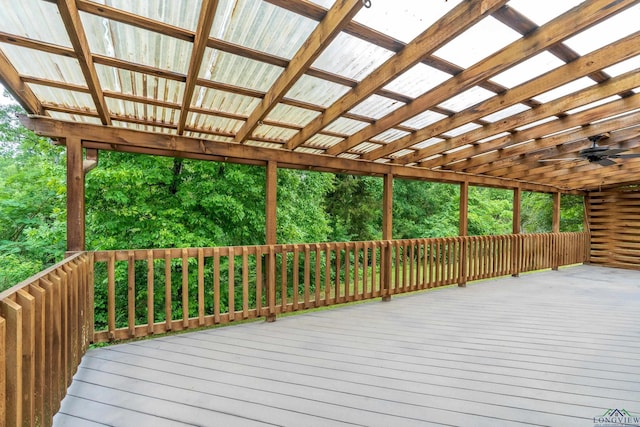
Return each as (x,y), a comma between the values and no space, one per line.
(554,348)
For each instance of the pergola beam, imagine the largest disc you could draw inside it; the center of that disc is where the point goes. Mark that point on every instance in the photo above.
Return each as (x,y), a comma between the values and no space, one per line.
(205,21)
(112,138)
(73,24)
(338,16)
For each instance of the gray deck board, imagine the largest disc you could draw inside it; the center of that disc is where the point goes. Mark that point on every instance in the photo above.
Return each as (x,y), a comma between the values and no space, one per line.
(551,348)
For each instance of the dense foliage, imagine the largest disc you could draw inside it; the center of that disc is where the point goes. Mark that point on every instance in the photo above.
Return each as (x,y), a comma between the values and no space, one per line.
(136,201)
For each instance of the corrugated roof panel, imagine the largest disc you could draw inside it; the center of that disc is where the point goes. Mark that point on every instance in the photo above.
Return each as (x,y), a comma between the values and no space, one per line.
(509,111)
(273,132)
(238,71)
(144,127)
(251,23)
(401,153)
(207,122)
(346,126)
(404,19)
(423,119)
(426,143)
(376,107)
(179,13)
(263,144)
(527,70)
(606,32)
(365,147)
(316,91)
(228,102)
(44,65)
(478,42)
(138,84)
(43,22)
(463,129)
(536,123)
(216,138)
(322,141)
(309,150)
(293,115)
(351,57)
(466,99)
(63,97)
(624,66)
(143,111)
(542,12)
(390,135)
(75,118)
(593,104)
(417,80)
(324,3)
(348,156)
(492,137)
(565,89)
(117,40)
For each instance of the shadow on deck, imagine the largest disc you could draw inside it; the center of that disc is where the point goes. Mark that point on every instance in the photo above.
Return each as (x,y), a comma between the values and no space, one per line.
(551,348)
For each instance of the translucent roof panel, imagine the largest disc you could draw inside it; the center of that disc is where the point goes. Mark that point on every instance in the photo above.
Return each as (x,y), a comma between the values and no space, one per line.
(593,104)
(179,13)
(207,122)
(365,147)
(463,129)
(527,70)
(507,112)
(423,119)
(401,153)
(228,102)
(404,20)
(537,123)
(322,141)
(238,71)
(290,114)
(274,132)
(44,65)
(606,32)
(144,127)
(316,91)
(133,44)
(417,80)
(43,22)
(75,118)
(138,84)
(624,66)
(345,126)
(390,135)
(202,135)
(251,23)
(466,99)
(63,97)
(542,11)
(426,143)
(351,57)
(376,106)
(143,111)
(478,42)
(565,89)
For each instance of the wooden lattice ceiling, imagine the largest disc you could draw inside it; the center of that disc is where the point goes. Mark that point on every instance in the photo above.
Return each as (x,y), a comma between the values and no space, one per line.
(471,90)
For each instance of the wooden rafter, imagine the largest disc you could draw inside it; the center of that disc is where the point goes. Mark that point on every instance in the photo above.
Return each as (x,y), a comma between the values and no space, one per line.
(448,27)
(549,109)
(10,78)
(580,17)
(207,15)
(337,17)
(113,138)
(583,66)
(73,24)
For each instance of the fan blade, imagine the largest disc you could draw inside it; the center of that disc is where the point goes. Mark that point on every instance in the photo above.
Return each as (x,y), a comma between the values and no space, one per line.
(625,156)
(611,152)
(605,162)
(562,159)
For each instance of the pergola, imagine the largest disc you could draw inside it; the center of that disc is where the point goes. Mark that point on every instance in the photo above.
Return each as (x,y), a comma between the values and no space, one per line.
(500,93)
(475,92)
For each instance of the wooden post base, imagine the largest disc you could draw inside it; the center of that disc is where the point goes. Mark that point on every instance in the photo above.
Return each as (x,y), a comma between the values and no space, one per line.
(270,318)
(462,285)
(386,298)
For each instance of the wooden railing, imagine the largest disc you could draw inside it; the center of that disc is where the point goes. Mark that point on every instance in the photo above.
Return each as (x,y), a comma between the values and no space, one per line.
(45,329)
(48,321)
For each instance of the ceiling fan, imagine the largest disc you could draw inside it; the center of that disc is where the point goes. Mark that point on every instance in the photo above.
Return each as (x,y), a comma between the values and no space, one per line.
(600,154)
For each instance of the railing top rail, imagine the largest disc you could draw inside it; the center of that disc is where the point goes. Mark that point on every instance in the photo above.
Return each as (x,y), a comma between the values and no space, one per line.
(7,292)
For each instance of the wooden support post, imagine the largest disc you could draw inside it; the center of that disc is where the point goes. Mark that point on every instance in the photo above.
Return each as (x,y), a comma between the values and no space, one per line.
(515,243)
(387,231)
(555,229)
(271,235)
(463,231)
(586,225)
(75,196)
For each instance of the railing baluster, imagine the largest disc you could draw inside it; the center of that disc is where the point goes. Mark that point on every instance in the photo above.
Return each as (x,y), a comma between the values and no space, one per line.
(185,289)
(131,294)
(200,287)
(231,286)
(245,283)
(40,369)
(216,285)
(12,313)
(295,274)
(307,275)
(168,294)
(28,372)
(327,274)
(317,277)
(347,272)
(283,284)
(259,281)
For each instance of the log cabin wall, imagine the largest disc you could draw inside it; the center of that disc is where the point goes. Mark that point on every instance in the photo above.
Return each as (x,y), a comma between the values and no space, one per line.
(614,222)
